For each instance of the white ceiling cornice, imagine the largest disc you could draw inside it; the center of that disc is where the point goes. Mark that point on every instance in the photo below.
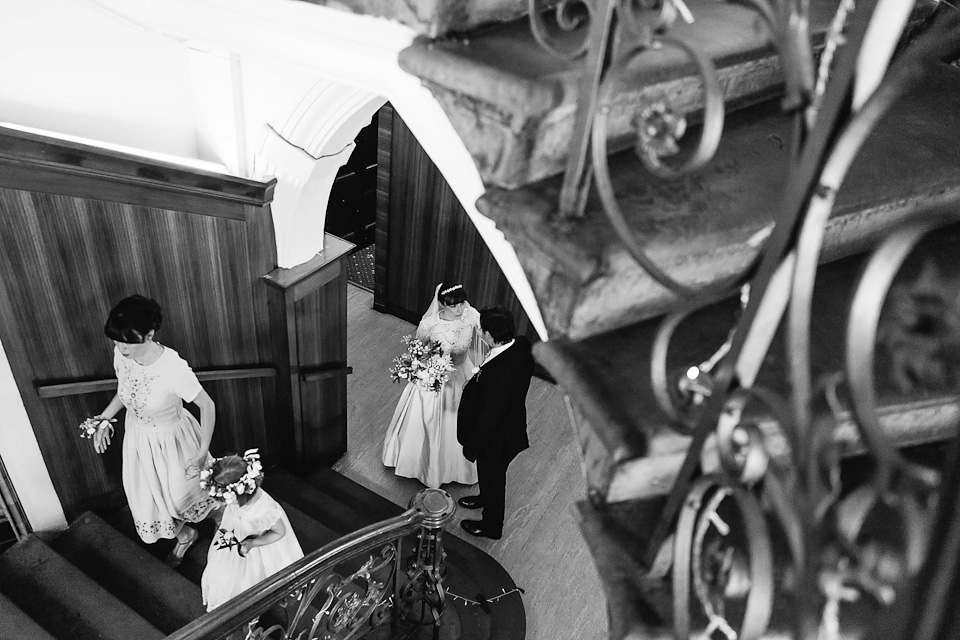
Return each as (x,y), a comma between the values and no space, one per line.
(298,34)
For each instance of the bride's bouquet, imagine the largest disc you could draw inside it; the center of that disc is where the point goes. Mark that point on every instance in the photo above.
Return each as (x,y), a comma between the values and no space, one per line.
(424,364)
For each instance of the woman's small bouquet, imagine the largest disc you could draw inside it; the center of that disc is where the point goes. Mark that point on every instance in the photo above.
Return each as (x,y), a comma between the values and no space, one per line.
(424,364)
(90,426)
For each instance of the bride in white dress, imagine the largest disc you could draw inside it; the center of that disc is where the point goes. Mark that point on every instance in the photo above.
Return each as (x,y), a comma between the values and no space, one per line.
(421,441)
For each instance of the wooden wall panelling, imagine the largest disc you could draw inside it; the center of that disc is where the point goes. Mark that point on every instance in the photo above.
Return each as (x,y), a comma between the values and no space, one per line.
(49,165)
(308,311)
(64,261)
(262,255)
(382,231)
(424,236)
(323,348)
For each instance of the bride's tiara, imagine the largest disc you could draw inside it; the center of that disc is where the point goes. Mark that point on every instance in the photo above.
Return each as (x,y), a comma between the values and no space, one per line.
(453,288)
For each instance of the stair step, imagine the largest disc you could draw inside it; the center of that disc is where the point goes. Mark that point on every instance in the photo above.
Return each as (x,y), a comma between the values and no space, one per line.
(517,120)
(63,599)
(701,228)
(352,493)
(17,625)
(158,593)
(193,562)
(311,533)
(314,502)
(631,449)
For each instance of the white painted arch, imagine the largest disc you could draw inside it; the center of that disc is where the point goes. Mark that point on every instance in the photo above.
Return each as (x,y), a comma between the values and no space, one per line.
(352,62)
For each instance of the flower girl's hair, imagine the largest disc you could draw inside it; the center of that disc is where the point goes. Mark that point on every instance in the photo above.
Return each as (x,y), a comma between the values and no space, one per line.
(232,476)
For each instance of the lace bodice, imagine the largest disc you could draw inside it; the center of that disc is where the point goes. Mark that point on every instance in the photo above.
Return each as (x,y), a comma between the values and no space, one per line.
(455,336)
(153,395)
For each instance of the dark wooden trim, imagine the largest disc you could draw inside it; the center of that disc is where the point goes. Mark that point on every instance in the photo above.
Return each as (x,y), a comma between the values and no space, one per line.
(306,278)
(109,384)
(49,165)
(309,374)
(381,249)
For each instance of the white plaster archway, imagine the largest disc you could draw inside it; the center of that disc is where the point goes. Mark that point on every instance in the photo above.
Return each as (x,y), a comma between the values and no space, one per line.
(351,50)
(304,154)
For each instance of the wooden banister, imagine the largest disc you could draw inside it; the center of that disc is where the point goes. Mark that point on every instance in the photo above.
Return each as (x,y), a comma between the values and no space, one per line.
(80,387)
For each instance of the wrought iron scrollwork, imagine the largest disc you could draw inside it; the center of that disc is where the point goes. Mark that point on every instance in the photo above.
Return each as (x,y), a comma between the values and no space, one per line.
(569,16)
(318,602)
(336,607)
(764,523)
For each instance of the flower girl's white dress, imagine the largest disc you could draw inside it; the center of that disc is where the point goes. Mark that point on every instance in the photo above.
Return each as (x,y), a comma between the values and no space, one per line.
(227,573)
(421,440)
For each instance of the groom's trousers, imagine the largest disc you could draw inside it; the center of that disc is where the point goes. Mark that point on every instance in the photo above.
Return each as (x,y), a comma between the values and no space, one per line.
(492,475)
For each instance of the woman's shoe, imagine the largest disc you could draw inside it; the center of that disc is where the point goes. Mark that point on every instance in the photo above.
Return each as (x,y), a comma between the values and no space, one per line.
(180,549)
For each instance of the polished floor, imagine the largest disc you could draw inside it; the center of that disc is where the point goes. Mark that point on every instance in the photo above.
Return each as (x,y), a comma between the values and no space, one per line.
(542,547)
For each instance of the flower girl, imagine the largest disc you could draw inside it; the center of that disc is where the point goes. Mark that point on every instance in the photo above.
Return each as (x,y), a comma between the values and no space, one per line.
(254,539)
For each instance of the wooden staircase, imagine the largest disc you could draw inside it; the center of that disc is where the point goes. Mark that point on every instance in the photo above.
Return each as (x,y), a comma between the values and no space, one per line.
(97,580)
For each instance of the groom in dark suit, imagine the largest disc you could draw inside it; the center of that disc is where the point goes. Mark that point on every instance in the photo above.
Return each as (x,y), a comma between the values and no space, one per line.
(492,418)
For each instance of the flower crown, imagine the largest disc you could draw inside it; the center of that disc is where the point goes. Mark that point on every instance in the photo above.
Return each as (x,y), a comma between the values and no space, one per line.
(453,288)
(247,484)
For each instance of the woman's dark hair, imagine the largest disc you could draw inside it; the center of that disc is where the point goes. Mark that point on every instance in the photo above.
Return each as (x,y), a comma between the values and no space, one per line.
(132,319)
(499,322)
(451,293)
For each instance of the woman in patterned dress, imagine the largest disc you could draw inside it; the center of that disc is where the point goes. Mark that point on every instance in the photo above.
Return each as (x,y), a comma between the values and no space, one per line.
(164,446)
(421,441)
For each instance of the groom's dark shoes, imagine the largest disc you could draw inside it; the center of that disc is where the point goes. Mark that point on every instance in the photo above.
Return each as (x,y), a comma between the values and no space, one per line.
(470,502)
(476,528)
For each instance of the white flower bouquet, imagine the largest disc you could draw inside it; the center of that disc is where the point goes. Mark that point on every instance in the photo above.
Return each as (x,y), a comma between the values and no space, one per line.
(90,426)
(424,364)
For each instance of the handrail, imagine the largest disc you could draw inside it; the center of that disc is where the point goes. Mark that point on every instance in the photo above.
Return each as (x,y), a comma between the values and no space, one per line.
(321,373)
(59,390)
(431,509)
(235,613)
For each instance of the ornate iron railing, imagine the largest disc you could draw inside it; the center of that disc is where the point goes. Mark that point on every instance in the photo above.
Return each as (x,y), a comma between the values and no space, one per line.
(608,36)
(765,531)
(309,600)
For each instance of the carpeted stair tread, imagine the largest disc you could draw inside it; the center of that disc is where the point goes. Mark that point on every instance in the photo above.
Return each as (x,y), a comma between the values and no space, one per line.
(311,533)
(14,623)
(158,593)
(352,493)
(67,603)
(343,518)
(193,562)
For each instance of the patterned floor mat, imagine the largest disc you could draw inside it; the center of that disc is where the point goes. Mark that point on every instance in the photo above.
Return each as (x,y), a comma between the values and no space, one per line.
(360,268)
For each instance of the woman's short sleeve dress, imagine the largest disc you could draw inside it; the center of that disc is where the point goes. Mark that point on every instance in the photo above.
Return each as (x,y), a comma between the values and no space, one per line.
(227,573)
(161,439)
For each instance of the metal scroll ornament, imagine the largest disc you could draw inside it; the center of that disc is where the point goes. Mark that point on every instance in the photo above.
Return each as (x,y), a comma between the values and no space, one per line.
(847,554)
(334,607)
(423,595)
(559,35)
